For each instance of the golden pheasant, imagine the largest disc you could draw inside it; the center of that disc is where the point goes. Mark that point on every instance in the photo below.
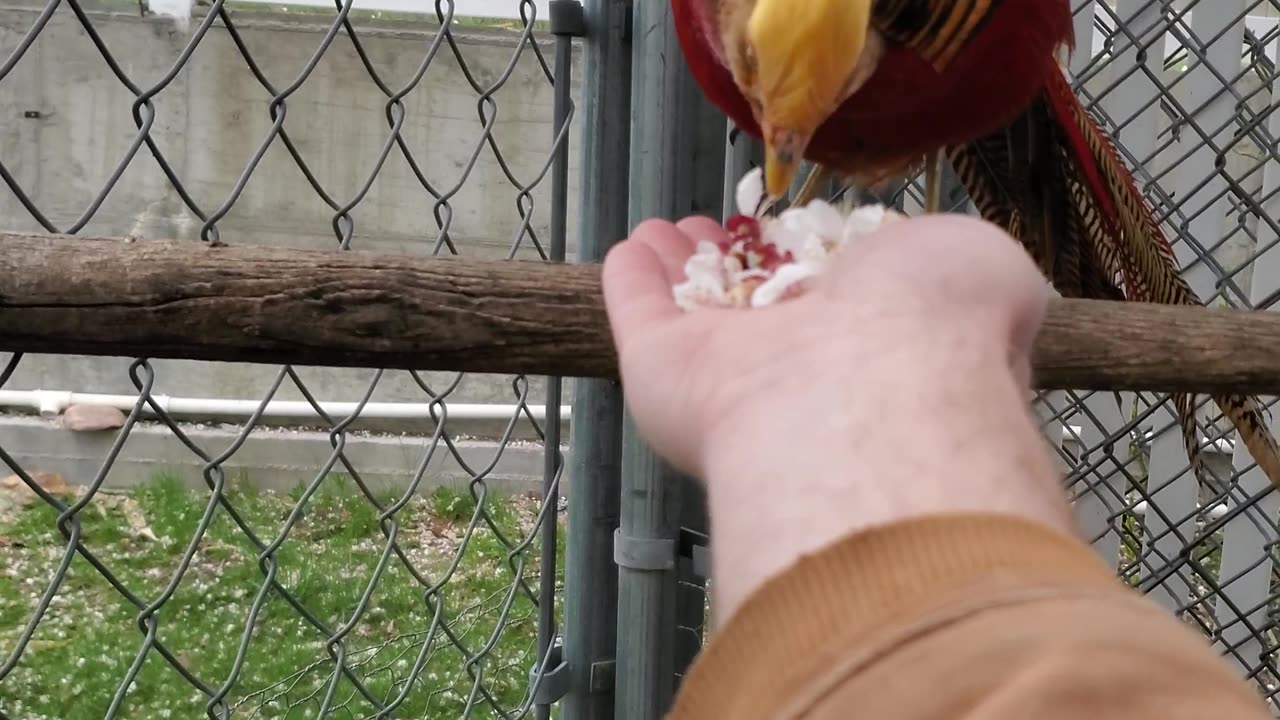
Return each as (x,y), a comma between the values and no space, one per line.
(871,89)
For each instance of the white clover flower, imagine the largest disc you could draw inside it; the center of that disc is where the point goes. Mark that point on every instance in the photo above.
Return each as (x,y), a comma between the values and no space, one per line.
(768,260)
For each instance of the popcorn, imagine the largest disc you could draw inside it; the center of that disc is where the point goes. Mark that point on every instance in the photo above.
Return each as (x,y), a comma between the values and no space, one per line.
(769,260)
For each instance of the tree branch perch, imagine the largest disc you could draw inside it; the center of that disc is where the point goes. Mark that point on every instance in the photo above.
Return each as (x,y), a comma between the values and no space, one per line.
(185,300)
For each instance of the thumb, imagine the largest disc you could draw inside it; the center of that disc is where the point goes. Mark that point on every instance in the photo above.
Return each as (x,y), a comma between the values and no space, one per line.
(951,269)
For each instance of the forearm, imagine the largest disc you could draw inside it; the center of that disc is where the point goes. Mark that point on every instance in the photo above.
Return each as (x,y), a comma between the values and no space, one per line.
(945,433)
(966,616)
(889,538)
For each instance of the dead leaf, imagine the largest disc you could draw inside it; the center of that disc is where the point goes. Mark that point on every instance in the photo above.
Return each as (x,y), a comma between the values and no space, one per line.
(51,483)
(133,514)
(137,521)
(16,495)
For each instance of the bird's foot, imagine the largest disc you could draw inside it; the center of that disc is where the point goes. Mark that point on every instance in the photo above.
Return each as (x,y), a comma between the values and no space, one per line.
(933,183)
(818,176)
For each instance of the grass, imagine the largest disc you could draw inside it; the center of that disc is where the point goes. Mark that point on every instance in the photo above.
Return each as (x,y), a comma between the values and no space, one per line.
(83,648)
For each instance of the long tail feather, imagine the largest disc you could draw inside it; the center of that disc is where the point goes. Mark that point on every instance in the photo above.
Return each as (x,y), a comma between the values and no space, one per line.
(1158,270)
(1054,180)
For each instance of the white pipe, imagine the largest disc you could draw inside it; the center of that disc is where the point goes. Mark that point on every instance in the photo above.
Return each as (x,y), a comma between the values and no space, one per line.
(1217,512)
(1225,446)
(51,403)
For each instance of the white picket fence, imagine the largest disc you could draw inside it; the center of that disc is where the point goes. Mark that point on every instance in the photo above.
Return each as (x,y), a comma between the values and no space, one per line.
(1205,553)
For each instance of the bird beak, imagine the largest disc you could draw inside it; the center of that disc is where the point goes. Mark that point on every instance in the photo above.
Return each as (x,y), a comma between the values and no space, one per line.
(810,56)
(783,150)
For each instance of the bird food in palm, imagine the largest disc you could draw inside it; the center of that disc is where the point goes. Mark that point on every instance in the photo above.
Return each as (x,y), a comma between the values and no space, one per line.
(764,259)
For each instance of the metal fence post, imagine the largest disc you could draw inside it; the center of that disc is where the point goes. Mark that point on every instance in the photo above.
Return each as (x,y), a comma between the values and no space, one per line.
(595,467)
(548,677)
(667,179)
(701,170)
(742,153)
(316,184)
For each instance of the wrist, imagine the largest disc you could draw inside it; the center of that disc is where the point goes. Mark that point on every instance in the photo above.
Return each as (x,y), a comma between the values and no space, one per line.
(857,450)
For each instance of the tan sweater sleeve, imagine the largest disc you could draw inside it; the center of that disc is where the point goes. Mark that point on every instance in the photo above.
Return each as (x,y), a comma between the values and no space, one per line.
(968,617)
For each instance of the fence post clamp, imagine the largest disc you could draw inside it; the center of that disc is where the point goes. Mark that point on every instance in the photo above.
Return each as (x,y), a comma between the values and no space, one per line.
(554,683)
(696,546)
(636,553)
(602,678)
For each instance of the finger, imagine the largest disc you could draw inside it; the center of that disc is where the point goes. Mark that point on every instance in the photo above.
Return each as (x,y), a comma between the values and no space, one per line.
(946,270)
(636,282)
(1028,319)
(1029,311)
(984,265)
(670,243)
(942,258)
(699,228)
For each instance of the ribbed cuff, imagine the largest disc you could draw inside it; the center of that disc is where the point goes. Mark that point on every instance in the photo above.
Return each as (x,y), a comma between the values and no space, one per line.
(865,585)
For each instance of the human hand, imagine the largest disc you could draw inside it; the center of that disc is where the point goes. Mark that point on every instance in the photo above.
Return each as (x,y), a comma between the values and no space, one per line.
(896,387)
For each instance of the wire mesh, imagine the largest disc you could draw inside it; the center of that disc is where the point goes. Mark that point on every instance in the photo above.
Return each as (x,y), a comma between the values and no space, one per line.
(171,569)
(351,595)
(1190,91)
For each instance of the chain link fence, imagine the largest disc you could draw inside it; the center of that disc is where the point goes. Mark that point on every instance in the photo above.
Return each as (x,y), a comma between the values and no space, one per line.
(224,540)
(1190,89)
(1191,92)
(384,544)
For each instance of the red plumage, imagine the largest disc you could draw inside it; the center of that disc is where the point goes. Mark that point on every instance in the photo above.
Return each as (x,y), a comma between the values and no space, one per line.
(1033,159)
(907,108)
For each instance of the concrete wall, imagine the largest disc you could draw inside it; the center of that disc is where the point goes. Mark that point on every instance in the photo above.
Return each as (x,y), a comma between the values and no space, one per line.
(67,126)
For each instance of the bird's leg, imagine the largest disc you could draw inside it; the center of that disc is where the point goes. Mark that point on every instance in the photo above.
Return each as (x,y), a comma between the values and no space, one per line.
(809,190)
(933,182)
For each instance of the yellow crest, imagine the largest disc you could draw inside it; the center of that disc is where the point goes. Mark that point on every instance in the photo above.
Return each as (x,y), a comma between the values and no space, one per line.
(806,51)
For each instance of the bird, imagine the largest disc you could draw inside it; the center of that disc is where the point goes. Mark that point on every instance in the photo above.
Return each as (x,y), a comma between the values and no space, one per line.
(874,91)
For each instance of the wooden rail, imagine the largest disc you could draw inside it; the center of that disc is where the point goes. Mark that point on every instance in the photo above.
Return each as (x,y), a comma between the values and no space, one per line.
(163,299)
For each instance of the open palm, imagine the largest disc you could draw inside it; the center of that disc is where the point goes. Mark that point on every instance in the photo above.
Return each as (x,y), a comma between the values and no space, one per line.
(909,306)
